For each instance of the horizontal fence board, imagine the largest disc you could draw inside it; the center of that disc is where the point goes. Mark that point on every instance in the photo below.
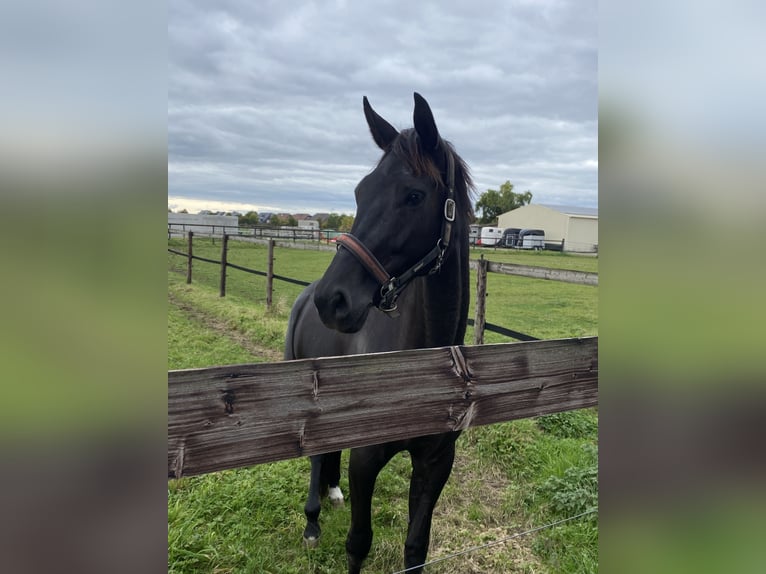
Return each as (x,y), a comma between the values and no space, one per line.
(240,415)
(564,275)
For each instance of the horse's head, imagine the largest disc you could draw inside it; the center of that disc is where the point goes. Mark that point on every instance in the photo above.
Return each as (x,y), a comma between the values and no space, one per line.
(403,223)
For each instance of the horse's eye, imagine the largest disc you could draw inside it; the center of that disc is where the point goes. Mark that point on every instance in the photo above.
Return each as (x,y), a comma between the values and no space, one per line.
(414,198)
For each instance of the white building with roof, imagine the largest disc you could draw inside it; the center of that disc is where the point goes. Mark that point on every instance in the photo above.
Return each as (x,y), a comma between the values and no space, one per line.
(576,226)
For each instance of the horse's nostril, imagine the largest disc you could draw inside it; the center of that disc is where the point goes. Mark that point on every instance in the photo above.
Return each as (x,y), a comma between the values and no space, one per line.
(334,308)
(339,304)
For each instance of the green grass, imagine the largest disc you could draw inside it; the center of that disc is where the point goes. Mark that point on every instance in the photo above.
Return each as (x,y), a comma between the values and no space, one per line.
(507,477)
(192,344)
(541,308)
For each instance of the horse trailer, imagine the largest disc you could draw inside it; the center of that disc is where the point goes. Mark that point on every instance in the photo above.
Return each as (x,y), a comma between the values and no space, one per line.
(474,234)
(531,239)
(510,237)
(490,236)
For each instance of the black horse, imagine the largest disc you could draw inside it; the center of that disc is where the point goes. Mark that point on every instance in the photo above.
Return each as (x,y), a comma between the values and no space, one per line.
(398,281)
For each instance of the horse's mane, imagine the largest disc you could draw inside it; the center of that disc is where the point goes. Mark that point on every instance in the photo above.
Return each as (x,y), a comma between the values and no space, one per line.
(407,148)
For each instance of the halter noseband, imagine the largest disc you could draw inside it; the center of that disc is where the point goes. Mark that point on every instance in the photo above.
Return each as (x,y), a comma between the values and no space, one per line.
(392,287)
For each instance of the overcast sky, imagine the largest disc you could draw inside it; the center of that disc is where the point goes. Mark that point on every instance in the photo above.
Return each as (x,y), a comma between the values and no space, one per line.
(265,98)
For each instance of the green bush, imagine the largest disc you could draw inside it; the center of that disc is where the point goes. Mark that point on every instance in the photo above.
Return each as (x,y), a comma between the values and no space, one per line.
(573,546)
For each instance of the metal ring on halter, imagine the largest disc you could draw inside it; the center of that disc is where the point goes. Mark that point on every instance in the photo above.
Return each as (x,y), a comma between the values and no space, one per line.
(386,290)
(439,258)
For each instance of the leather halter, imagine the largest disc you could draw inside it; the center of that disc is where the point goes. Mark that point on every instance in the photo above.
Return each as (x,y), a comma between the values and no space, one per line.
(391,287)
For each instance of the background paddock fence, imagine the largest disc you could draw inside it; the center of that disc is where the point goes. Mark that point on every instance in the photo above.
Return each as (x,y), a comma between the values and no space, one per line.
(481,266)
(263,233)
(564,275)
(241,415)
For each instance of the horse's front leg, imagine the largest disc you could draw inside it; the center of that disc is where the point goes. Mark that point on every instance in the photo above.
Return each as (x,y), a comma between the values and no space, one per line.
(331,478)
(313,503)
(428,479)
(364,466)
(325,478)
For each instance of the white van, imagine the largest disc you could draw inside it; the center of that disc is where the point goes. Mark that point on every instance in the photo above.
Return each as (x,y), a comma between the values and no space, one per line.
(490,236)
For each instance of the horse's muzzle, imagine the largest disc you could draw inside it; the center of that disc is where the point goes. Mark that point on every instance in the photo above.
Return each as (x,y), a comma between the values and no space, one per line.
(341,309)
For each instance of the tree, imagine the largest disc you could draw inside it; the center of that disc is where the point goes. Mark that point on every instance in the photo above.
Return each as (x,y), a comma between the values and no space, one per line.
(332,222)
(338,222)
(346,223)
(250,218)
(493,203)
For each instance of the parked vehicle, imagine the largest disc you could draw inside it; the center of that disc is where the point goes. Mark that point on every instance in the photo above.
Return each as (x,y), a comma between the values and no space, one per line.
(510,237)
(531,239)
(490,236)
(474,234)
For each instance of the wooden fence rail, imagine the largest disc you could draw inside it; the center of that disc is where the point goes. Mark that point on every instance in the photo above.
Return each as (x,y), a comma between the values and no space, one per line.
(240,415)
(565,275)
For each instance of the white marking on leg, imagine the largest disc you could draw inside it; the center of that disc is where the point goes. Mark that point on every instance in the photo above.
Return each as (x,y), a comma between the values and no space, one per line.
(311,542)
(336,496)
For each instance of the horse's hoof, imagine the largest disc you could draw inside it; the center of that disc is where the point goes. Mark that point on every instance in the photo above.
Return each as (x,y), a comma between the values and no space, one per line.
(311,542)
(336,497)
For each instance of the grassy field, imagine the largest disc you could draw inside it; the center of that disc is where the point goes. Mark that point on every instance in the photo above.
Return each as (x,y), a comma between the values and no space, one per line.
(507,477)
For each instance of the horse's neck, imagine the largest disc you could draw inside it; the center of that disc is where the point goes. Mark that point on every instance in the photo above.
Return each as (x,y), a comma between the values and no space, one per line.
(442,301)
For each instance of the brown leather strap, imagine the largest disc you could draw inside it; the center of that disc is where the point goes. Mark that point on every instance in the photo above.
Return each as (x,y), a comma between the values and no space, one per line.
(365,257)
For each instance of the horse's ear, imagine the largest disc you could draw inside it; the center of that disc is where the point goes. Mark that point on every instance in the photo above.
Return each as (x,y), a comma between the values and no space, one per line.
(382,132)
(425,124)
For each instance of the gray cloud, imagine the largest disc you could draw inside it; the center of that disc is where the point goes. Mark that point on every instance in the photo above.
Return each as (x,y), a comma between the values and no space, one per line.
(265,98)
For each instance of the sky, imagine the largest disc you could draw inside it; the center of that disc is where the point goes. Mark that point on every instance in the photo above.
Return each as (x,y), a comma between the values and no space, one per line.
(265,98)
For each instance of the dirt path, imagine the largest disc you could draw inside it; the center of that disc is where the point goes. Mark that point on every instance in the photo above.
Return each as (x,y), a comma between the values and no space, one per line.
(225,330)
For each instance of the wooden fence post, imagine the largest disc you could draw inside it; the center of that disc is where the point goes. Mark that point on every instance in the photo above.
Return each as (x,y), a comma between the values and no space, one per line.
(270,275)
(189,259)
(481,295)
(224,245)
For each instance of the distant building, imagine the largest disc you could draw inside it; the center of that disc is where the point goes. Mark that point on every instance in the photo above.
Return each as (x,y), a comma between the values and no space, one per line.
(202,224)
(576,226)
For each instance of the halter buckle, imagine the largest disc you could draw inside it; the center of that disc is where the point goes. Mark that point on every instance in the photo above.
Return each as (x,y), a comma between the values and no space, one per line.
(449,209)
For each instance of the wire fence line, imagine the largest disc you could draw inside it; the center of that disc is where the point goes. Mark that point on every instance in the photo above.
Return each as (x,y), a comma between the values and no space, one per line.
(496,542)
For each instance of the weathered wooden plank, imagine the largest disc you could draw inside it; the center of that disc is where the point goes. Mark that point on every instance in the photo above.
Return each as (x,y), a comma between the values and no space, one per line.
(240,415)
(564,275)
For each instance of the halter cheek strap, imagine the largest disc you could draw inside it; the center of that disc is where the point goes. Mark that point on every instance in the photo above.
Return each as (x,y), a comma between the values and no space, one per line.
(391,287)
